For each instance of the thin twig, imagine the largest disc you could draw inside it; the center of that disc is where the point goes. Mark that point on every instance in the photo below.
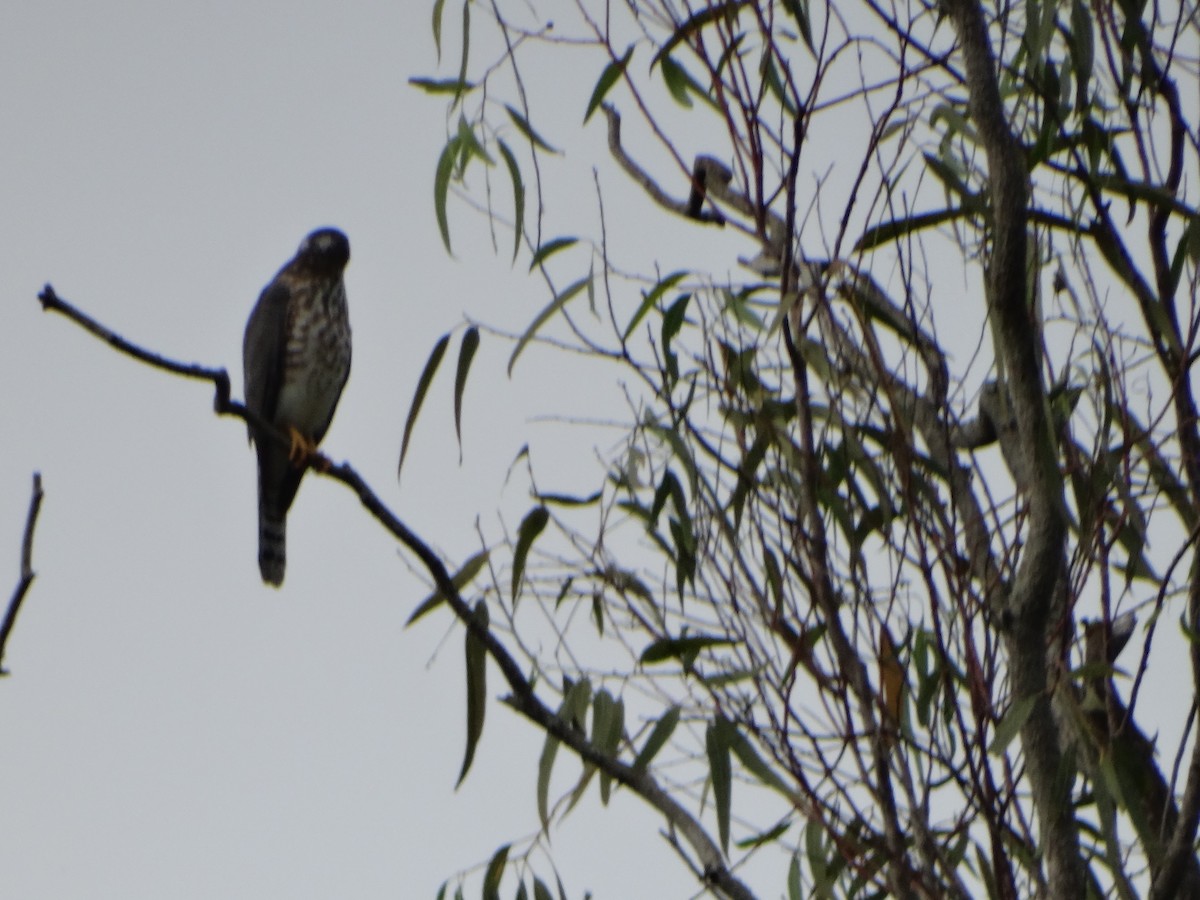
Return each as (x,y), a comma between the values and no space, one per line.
(27,573)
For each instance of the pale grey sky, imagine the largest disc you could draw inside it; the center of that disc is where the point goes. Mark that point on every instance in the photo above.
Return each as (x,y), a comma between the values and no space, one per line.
(172,728)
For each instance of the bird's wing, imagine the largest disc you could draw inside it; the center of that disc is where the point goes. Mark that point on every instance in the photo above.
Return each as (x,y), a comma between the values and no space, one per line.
(263,349)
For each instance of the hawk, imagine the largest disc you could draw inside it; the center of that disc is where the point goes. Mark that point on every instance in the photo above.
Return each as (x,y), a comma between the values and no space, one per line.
(296,355)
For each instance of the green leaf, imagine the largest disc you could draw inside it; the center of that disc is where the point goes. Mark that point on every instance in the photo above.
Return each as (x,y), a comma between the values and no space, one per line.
(1163,473)
(1038,30)
(774,83)
(563,591)
(1187,248)
(431,365)
(669,488)
(608,722)
(476,654)
(572,711)
(441,188)
(526,129)
(651,298)
(613,71)
(747,482)
(540,891)
(815,852)
(766,837)
(732,51)
(461,579)
(597,612)
(495,871)
(886,232)
(1192,634)
(1080,38)
(928,669)
(566,500)
(437,38)
(602,711)
(694,24)
(551,308)
(1191,239)
(514,172)
(547,250)
(659,735)
(678,78)
(799,12)
(793,878)
(677,81)
(951,179)
(442,85)
(738,305)
(531,526)
(774,576)
(757,767)
(466,353)
(717,738)
(470,144)
(674,440)
(545,767)
(684,649)
(575,703)
(673,320)
(1010,724)
(608,725)
(466,43)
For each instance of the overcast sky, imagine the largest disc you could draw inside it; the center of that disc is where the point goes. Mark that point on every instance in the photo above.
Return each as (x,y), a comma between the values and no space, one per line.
(172,727)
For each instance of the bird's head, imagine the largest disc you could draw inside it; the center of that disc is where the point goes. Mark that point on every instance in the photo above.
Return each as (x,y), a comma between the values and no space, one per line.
(326,250)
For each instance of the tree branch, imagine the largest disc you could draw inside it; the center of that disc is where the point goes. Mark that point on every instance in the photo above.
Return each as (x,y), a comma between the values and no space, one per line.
(523,698)
(27,573)
(1041,573)
(708,178)
(51,302)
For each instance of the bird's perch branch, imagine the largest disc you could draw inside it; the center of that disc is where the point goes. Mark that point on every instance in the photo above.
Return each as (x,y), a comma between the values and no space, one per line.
(522,698)
(27,573)
(51,302)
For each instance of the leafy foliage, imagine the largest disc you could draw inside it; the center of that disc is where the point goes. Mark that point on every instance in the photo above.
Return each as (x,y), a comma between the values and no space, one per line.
(860,549)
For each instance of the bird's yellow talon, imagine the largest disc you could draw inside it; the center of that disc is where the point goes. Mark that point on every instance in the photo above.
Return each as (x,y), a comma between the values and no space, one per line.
(300,449)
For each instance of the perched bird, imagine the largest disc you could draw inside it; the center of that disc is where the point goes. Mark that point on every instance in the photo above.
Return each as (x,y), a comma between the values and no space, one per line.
(296,355)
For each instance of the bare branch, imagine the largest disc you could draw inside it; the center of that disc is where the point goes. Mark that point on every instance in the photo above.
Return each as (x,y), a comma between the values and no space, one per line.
(51,302)
(27,573)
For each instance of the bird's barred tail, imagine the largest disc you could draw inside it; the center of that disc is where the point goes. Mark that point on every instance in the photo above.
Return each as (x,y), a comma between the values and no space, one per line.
(272,555)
